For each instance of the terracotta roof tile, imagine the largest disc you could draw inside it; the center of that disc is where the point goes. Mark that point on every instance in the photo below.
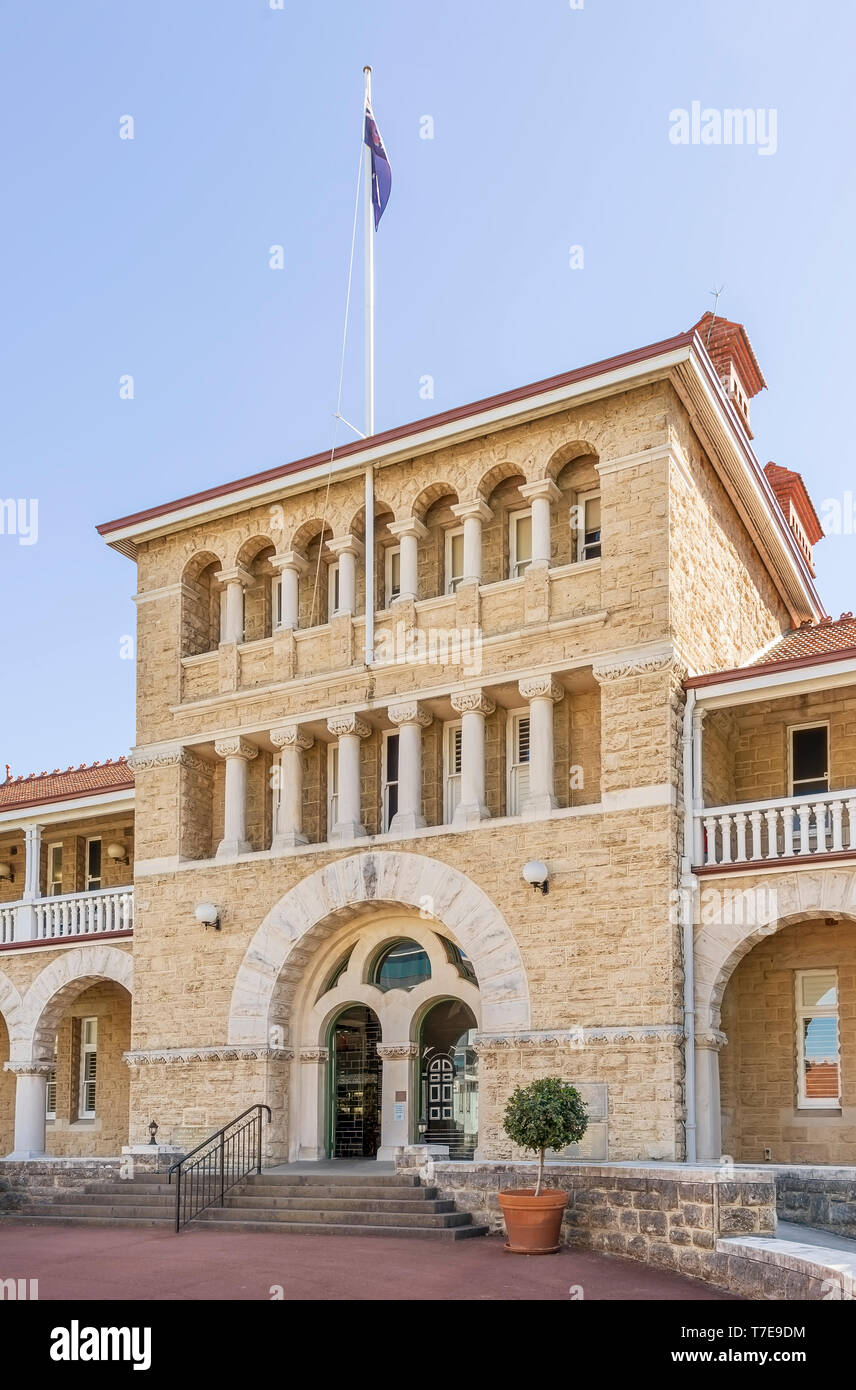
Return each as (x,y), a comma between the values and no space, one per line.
(113,775)
(813,639)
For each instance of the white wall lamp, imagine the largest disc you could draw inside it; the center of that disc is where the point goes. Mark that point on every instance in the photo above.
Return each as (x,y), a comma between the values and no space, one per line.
(7,872)
(208,915)
(537,873)
(117,852)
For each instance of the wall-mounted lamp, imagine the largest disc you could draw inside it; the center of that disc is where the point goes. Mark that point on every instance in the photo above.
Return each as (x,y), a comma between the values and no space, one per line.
(7,872)
(208,915)
(117,853)
(537,874)
(153,1131)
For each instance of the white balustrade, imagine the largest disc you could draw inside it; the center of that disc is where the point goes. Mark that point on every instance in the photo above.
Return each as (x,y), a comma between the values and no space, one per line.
(7,925)
(779,829)
(84,914)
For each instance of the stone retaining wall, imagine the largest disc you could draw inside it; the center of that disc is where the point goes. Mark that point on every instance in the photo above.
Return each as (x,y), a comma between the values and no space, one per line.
(824,1198)
(21,1180)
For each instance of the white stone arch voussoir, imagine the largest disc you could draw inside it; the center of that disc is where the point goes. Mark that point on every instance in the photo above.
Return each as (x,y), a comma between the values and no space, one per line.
(56,987)
(782,902)
(384,878)
(11,1010)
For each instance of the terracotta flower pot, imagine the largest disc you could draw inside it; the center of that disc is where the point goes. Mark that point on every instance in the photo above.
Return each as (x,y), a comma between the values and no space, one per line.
(533,1223)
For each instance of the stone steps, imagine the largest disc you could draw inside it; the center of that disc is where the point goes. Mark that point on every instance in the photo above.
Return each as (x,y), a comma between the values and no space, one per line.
(304,1203)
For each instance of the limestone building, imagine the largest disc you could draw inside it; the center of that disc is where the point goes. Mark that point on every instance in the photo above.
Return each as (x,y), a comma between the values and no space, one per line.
(589,810)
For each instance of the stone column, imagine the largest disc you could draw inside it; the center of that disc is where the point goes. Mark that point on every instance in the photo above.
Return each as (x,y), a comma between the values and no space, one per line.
(397,1115)
(291,564)
(348,730)
(234,582)
(411,719)
(25,917)
(291,740)
(708,1105)
(347,549)
(408,534)
(473,514)
(472,706)
(30,1106)
(237,752)
(542,692)
(311,1140)
(541,495)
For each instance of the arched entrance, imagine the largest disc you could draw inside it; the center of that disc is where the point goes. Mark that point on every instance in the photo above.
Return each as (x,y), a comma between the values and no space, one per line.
(449,1078)
(356,1083)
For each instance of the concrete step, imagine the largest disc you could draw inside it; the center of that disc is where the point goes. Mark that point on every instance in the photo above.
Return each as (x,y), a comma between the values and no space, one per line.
(334,1179)
(103,1209)
(162,1223)
(337,1192)
(331,1229)
(244,1202)
(272,1215)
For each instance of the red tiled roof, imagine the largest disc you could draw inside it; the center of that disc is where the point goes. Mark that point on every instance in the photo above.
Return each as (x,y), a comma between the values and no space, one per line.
(814,639)
(115,774)
(725,340)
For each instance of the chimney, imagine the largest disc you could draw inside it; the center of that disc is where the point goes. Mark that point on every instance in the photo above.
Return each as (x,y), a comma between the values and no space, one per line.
(736,365)
(797,508)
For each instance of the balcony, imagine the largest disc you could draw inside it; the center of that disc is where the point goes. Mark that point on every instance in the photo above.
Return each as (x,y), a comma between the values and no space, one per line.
(105,911)
(764,831)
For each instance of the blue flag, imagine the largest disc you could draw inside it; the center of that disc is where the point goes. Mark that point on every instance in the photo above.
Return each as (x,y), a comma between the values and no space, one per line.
(381,172)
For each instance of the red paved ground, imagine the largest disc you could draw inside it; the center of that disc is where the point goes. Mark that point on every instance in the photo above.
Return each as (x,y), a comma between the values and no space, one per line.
(127,1264)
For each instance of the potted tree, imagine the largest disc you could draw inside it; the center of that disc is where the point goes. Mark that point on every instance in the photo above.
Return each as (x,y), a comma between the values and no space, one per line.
(546,1114)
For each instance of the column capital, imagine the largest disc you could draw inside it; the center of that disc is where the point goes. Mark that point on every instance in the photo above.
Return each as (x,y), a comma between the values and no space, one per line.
(314,1054)
(290,736)
(711,1039)
(30,1068)
(345,545)
(397,1052)
(541,487)
(466,511)
(698,717)
(236,575)
(410,526)
(409,712)
(289,560)
(341,724)
(544,686)
(235,747)
(472,702)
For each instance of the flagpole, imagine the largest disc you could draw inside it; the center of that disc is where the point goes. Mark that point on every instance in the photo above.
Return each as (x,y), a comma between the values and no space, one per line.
(369,365)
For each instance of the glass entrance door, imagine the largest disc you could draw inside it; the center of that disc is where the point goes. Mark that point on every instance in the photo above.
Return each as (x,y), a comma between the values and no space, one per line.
(450,1096)
(355,1088)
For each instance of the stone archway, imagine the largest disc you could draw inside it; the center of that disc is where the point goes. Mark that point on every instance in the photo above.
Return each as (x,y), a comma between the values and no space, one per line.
(301,919)
(768,905)
(56,986)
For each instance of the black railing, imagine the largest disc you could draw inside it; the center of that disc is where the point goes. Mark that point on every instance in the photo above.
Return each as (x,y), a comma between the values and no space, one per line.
(206,1174)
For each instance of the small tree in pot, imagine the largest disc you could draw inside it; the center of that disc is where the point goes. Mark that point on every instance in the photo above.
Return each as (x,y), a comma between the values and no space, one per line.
(546,1114)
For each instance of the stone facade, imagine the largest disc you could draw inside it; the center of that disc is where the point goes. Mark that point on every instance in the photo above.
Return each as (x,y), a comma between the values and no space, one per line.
(585,981)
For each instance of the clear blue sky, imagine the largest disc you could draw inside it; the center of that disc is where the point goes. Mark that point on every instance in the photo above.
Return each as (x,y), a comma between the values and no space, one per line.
(150,257)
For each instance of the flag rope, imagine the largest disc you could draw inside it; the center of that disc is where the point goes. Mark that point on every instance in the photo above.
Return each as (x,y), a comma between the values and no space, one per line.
(338,415)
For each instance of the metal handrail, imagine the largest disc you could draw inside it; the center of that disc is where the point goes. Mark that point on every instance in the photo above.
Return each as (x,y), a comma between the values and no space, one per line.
(229,1155)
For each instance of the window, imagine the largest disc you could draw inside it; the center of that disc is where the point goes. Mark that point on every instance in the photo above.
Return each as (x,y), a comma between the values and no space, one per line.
(392,572)
(50,1093)
(54,870)
(518,762)
(332,588)
(817,1040)
(588,526)
(404,965)
(451,770)
(336,973)
(390,778)
(332,786)
(809,759)
(276,600)
(93,865)
(88,1067)
(519,542)
(454,558)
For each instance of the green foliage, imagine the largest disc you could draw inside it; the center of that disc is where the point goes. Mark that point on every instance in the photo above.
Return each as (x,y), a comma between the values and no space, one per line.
(546,1114)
